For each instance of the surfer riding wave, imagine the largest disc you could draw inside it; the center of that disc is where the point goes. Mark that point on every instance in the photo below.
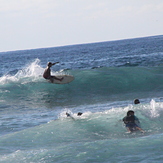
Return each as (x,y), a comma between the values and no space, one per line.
(47,72)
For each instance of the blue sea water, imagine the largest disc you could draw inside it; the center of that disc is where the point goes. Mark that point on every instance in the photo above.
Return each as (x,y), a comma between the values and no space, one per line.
(109,75)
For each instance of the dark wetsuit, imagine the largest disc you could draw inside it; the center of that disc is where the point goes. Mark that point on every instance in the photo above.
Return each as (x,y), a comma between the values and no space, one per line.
(130,121)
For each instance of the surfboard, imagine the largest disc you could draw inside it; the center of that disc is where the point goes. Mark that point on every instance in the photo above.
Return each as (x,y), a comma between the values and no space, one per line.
(66,79)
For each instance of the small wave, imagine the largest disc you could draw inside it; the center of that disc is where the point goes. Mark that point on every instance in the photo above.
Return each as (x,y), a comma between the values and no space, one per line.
(90,85)
(90,126)
(99,129)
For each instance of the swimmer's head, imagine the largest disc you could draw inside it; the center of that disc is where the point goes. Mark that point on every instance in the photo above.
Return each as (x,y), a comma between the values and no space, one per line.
(136,101)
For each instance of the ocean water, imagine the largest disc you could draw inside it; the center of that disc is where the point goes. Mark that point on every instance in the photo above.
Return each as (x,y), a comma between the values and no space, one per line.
(34,127)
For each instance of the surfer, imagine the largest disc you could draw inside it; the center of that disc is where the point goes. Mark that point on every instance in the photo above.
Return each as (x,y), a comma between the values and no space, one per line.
(47,72)
(130,122)
(136,101)
(70,116)
(78,114)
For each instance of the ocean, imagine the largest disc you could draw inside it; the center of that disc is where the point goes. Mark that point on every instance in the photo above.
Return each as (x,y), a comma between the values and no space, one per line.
(108,75)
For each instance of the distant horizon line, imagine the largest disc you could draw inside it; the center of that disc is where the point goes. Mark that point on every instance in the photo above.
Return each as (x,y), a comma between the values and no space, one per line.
(79,44)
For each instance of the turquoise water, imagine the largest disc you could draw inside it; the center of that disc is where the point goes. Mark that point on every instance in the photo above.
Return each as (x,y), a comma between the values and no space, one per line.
(108,77)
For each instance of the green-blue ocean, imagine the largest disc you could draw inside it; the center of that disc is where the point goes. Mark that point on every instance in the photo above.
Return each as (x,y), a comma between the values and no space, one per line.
(109,75)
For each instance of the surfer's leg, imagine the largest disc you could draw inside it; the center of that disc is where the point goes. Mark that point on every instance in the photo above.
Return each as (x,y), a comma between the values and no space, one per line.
(54,77)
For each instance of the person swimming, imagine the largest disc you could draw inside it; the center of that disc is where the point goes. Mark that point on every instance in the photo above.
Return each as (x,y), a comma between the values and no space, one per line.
(129,121)
(136,101)
(78,114)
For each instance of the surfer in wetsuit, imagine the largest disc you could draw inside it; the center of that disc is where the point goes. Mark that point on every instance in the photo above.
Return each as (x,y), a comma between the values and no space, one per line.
(47,72)
(136,101)
(129,121)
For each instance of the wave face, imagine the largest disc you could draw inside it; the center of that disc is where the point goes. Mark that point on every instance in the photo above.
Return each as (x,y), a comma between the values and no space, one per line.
(89,86)
(108,77)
